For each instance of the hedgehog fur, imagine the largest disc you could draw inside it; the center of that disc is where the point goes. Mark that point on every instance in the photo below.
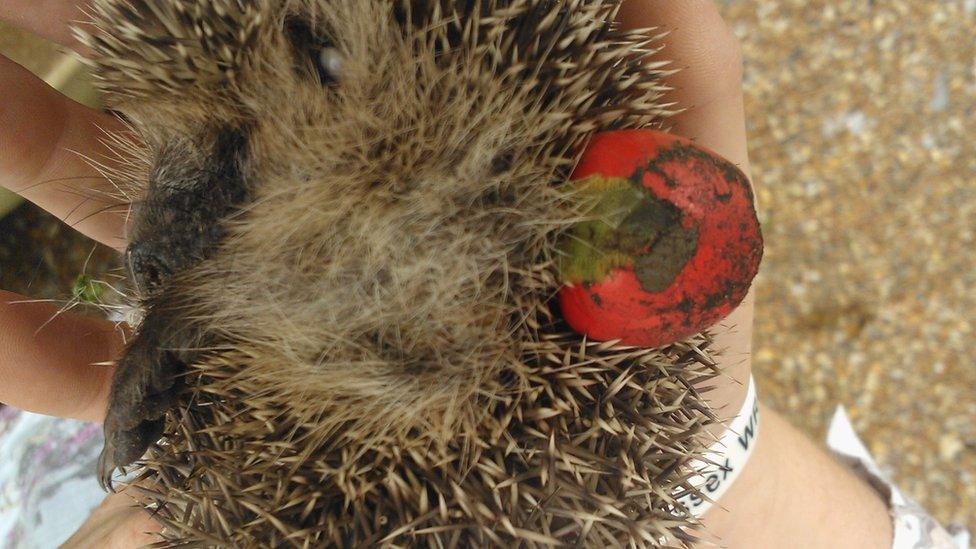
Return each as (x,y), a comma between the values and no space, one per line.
(383,362)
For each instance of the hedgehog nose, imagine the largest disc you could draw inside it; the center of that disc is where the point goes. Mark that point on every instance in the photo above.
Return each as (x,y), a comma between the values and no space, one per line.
(147,268)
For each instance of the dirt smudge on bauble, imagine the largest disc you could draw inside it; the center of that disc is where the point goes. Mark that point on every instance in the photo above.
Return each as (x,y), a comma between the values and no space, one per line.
(661,245)
(658,269)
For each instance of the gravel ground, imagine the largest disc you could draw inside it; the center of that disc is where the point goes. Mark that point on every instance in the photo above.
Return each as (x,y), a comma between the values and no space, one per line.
(860,118)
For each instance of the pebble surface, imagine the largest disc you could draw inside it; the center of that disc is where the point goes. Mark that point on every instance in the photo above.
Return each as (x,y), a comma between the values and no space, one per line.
(861,117)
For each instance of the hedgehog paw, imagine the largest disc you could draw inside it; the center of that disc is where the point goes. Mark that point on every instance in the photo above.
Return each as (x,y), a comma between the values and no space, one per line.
(147,383)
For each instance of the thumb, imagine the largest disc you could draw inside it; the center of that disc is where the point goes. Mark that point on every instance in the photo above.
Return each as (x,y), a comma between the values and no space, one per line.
(709,80)
(120,522)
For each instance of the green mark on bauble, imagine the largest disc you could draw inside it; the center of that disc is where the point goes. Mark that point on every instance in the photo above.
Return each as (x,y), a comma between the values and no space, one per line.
(632,228)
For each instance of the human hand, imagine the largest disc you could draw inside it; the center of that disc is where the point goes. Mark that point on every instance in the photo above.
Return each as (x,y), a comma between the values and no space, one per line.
(44,140)
(119,522)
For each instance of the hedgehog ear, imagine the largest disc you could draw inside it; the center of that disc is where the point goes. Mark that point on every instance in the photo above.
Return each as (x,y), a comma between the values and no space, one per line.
(145,48)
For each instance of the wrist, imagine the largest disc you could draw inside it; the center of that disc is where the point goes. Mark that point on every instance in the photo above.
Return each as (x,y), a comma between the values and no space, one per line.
(732,351)
(791,493)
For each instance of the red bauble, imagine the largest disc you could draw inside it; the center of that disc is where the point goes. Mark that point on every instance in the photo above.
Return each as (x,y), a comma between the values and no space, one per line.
(676,250)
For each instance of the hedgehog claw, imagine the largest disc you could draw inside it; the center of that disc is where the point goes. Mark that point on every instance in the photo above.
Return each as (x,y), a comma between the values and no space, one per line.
(124,447)
(147,383)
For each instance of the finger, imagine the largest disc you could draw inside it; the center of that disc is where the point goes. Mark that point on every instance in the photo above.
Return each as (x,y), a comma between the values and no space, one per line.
(709,82)
(49,19)
(45,139)
(48,361)
(120,522)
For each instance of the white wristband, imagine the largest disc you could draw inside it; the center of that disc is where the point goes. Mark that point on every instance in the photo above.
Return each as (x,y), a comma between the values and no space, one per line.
(724,460)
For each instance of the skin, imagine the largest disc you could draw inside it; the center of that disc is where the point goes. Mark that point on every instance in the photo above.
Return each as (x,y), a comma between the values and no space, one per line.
(790,494)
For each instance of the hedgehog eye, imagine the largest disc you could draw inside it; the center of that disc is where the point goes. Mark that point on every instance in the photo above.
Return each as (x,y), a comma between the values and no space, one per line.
(330,63)
(312,49)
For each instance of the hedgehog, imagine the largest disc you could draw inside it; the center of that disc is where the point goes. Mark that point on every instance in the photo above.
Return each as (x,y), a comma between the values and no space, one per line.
(342,254)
